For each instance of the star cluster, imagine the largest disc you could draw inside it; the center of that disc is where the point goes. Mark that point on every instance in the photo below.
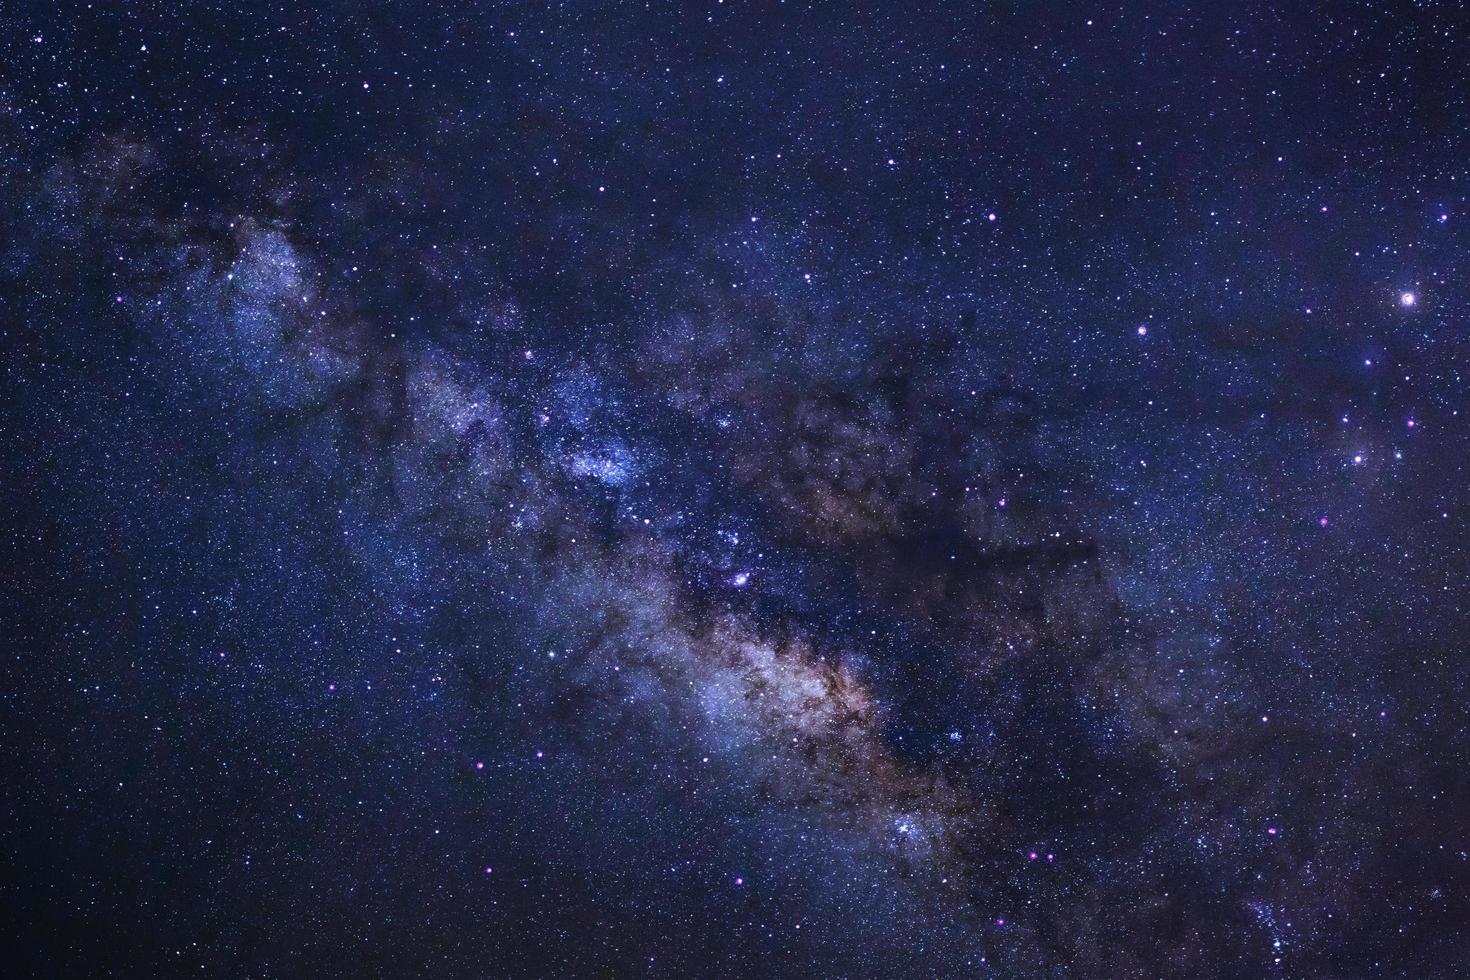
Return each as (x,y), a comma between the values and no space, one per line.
(734,489)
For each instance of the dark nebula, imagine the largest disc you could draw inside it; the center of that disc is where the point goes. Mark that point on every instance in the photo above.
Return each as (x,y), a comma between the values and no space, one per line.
(735,489)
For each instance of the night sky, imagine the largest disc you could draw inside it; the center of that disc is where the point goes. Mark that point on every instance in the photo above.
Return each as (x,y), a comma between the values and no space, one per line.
(735,489)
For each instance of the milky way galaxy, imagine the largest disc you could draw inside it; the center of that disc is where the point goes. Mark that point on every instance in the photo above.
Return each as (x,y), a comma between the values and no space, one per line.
(734,490)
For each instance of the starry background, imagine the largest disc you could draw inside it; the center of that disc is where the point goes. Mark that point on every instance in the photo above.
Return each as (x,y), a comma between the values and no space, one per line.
(734,489)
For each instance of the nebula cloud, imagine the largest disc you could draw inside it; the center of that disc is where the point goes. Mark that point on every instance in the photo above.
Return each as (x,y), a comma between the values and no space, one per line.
(610,492)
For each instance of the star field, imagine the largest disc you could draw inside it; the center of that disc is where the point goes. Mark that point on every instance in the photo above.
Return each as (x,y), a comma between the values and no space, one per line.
(735,489)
